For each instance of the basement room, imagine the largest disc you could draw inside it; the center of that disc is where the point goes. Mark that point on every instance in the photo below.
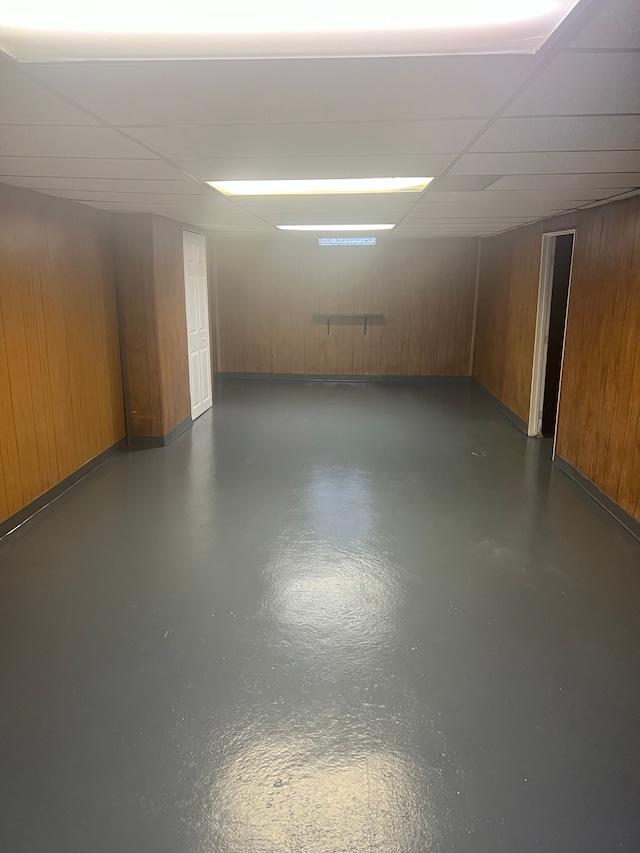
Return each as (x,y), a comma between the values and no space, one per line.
(320,427)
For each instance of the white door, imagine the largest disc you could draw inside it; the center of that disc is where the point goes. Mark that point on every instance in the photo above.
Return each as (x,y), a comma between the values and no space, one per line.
(197,303)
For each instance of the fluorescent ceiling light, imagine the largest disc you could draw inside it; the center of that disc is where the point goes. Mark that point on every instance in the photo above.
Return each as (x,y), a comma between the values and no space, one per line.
(74,29)
(346,241)
(377,227)
(328,186)
(281,16)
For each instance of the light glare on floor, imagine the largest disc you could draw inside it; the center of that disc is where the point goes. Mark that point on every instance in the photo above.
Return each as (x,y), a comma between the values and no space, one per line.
(325,186)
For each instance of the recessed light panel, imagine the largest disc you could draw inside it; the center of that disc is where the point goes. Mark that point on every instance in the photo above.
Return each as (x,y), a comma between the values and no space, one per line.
(375,227)
(33,30)
(346,241)
(328,186)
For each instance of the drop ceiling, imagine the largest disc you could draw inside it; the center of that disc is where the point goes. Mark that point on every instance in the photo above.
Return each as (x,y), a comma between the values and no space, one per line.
(553,131)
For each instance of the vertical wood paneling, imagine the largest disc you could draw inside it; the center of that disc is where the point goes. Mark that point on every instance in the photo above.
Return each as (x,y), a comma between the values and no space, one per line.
(268,292)
(149,252)
(11,493)
(507,307)
(136,285)
(599,413)
(598,428)
(171,321)
(60,381)
(56,356)
(18,369)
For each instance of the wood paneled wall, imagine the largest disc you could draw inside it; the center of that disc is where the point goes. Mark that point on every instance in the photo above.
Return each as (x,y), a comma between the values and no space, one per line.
(60,380)
(171,318)
(507,308)
(599,422)
(267,293)
(152,307)
(598,426)
(135,275)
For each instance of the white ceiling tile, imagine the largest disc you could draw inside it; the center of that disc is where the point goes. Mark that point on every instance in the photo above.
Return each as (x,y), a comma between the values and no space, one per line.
(115,206)
(488,199)
(174,199)
(583,133)
(446,199)
(178,209)
(507,208)
(315,219)
(616,26)
(440,234)
(628,194)
(447,232)
(260,227)
(86,168)
(181,213)
(323,139)
(548,163)
(555,194)
(372,216)
(48,141)
(224,235)
(615,180)
(583,84)
(328,204)
(277,91)
(25,102)
(462,216)
(181,187)
(315,167)
(462,183)
(336,118)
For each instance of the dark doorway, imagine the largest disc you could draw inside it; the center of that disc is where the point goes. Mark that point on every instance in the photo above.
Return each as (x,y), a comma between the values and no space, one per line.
(557,318)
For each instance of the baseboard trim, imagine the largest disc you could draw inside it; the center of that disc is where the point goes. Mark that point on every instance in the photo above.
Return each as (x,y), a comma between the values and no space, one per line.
(607,503)
(147,441)
(325,377)
(35,506)
(183,426)
(505,410)
(162,440)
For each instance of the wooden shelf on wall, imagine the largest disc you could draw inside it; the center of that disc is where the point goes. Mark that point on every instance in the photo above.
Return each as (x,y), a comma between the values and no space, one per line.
(363,320)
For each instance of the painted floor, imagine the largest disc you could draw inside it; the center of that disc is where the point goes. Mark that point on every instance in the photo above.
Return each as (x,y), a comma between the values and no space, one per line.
(330,618)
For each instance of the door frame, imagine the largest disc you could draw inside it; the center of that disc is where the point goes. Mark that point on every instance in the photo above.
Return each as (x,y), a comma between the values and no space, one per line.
(543,317)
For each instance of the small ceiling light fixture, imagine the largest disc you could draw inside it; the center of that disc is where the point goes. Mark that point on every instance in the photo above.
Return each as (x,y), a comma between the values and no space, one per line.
(39,30)
(376,227)
(323,186)
(346,241)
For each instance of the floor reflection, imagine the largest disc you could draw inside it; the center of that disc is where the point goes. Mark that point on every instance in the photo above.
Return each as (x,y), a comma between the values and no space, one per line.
(337,609)
(339,503)
(333,591)
(304,791)
(333,778)
(331,775)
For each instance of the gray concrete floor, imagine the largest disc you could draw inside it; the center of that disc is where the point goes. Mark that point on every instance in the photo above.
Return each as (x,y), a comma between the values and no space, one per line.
(318,623)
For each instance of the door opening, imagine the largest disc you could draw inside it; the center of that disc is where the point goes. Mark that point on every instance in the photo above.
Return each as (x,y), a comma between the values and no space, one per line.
(557,320)
(197,307)
(553,298)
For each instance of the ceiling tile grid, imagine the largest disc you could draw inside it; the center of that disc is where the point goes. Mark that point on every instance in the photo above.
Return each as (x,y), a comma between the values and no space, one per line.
(510,139)
(323,139)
